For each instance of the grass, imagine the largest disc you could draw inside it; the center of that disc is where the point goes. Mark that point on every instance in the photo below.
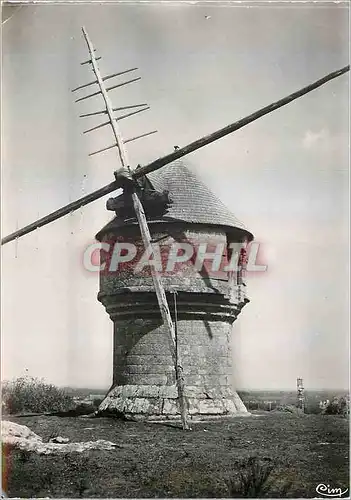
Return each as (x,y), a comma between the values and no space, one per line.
(272,455)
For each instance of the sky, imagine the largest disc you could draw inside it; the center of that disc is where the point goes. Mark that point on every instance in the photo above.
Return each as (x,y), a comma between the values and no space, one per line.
(284,176)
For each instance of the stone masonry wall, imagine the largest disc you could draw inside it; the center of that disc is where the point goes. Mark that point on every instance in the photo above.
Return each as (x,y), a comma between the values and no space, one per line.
(142,354)
(143,372)
(144,378)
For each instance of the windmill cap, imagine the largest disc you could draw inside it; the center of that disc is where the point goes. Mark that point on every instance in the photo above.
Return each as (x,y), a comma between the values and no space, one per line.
(192,202)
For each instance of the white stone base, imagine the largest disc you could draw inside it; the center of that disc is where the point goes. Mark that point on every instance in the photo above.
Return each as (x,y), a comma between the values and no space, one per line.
(161,403)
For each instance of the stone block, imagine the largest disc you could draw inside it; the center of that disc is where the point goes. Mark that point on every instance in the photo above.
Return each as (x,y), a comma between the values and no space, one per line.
(193,391)
(154,348)
(193,406)
(239,405)
(162,359)
(169,391)
(151,369)
(211,407)
(145,379)
(170,407)
(213,381)
(229,406)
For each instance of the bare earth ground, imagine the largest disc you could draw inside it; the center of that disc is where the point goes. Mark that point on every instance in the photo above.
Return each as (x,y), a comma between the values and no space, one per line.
(157,460)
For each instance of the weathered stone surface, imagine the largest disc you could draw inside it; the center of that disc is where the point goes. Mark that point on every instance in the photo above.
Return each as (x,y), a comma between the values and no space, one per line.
(59,440)
(156,369)
(170,407)
(22,438)
(165,359)
(239,405)
(144,375)
(210,406)
(153,379)
(11,429)
(162,406)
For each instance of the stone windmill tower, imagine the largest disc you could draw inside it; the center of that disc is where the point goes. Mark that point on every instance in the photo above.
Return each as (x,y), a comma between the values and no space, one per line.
(207,302)
(195,306)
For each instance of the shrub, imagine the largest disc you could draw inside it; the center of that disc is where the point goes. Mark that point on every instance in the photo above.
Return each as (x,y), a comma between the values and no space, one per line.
(258,478)
(33,395)
(97,402)
(338,406)
(313,408)
(289,409)
(253,478)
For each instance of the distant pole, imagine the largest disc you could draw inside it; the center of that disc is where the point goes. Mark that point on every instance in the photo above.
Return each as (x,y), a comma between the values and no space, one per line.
(300,394)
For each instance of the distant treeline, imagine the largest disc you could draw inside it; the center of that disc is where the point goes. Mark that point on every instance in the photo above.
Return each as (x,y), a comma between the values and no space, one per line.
(83,392)
(265,400)
(270,400)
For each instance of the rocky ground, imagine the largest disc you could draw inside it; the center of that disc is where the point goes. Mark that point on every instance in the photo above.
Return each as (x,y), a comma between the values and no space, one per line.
(158,460)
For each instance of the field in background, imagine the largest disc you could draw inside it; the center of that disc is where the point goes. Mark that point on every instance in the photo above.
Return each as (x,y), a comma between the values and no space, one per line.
(269,400)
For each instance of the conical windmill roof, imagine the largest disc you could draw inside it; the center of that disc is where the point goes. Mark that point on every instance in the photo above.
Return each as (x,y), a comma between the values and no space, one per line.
(192,201)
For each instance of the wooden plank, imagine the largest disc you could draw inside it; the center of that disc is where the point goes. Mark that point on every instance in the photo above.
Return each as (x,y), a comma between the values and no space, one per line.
(102,150)
(109,88)
(89,61)
(107,77)
(113,109)
(140,136)
(118,118)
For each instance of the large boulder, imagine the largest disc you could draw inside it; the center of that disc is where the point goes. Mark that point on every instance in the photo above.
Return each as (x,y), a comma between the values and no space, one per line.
(10,431)
(22,438)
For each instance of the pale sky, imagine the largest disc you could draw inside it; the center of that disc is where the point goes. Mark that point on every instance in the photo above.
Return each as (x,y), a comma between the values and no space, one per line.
(284,176)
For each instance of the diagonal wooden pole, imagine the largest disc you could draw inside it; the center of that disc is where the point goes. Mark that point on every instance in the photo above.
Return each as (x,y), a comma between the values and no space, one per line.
(175,155)
(146,237)
(229,129)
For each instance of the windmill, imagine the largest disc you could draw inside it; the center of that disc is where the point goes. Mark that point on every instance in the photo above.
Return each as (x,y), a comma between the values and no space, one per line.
(127,179)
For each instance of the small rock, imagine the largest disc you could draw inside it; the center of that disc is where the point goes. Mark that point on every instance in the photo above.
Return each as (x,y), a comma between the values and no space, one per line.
(59,439)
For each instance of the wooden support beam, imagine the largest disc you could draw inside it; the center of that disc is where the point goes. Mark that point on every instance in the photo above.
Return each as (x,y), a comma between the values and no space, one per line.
(124,142)
(103,149)
(165,312)
(89,61)
(200,143)
(127,115)
(104,79)
(108,89)
(121,108)
(122,84)
(61,212)
(139,136)
(118,118)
